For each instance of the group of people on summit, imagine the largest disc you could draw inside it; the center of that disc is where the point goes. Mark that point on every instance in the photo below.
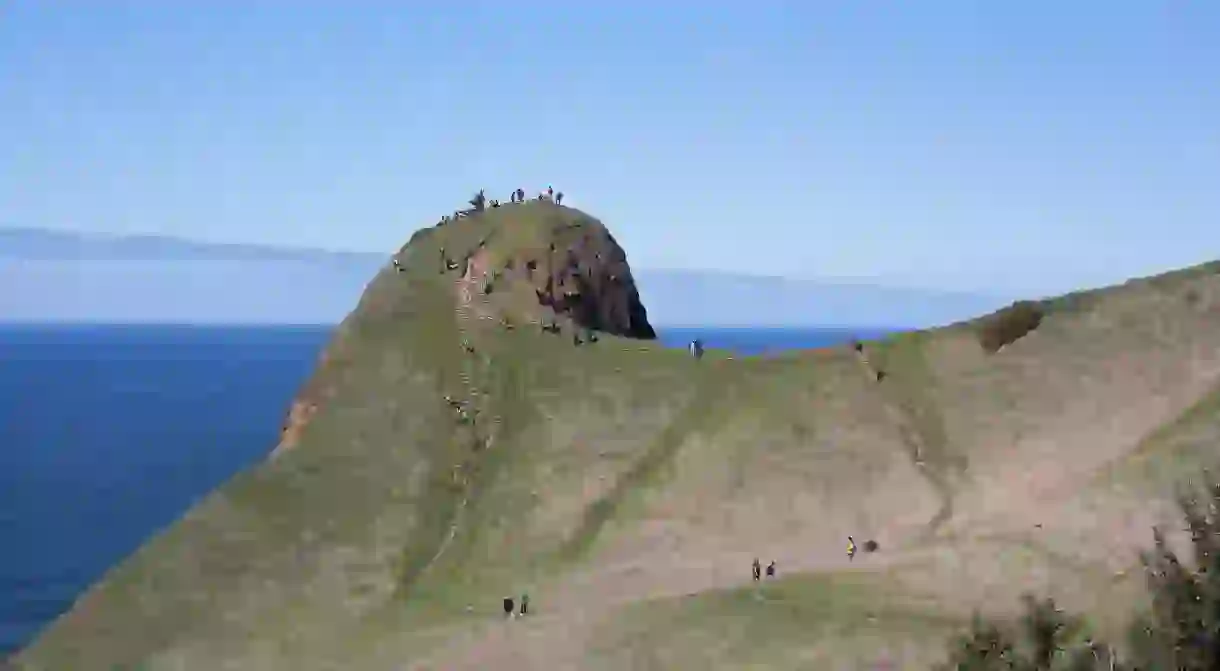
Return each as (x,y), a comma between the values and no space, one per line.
(480,202)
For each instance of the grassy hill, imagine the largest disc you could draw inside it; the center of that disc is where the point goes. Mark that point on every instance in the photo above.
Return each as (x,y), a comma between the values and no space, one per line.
(450,451)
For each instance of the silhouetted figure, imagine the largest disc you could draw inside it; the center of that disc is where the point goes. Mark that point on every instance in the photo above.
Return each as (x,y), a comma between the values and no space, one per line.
(696,348)
(525,603)
(520,195)
(550,192)
(771,570)
(495,203)
(559,198)
(508,606)
(757,570)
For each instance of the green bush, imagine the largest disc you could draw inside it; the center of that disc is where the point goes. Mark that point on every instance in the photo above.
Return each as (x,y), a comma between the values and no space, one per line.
(1046,639)
(1180,631)
(1010,324)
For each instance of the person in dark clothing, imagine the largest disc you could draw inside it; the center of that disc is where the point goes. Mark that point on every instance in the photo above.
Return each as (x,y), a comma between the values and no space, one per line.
(520,195)
(696,348)
(559,198)
(771,570)
(525,603)
(757,570)
(508,606)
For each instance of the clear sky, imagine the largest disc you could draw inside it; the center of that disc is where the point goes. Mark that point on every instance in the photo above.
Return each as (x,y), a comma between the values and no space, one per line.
(966,145)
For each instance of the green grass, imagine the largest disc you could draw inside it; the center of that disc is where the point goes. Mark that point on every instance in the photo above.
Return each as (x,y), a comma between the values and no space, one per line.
(1175,451)
(792,622)
(647,468)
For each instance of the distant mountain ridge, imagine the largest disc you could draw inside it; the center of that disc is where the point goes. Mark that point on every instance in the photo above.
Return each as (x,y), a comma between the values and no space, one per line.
(67,276)
(34,244)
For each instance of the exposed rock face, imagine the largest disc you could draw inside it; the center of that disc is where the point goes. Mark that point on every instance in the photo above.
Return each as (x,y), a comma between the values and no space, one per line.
(562,262)
(589,281)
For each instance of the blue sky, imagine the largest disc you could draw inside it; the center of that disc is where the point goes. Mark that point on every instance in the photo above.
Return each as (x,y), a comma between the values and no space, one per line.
(1034,146)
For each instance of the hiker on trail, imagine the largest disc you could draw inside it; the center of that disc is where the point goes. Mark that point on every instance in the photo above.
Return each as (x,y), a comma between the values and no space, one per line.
(520,195)
(508,606)
(851,548)
(525,603)
(757,570)
(696,348)
(550,192)
(771,569)
(559,198)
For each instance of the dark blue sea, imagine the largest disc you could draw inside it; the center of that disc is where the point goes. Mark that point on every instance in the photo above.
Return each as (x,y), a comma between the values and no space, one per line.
(109,433)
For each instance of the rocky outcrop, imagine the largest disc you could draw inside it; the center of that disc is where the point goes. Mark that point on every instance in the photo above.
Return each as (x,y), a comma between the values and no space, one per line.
(586,279)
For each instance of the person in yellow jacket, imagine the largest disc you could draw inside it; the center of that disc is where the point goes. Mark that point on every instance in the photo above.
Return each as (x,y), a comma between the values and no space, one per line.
(851,548)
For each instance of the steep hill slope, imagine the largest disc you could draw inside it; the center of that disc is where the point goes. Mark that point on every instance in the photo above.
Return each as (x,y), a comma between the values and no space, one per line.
(476,429)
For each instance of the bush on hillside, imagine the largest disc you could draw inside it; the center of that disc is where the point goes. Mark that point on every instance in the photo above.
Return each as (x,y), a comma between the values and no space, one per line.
(479,202)
(1010,324)
(1180,631)
(1046,639)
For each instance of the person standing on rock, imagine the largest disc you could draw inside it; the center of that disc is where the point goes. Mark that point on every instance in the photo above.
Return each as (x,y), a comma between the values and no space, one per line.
(550,192)
(559,198)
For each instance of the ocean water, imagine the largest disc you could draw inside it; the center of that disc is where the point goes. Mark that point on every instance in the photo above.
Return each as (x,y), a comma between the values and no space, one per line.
(109,433)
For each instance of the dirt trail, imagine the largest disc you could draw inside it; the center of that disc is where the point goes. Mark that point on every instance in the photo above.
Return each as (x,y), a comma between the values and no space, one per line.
(914,443)
(465,315)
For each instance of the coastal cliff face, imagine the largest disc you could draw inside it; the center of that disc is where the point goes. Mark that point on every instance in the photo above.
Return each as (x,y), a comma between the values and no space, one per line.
(495,417)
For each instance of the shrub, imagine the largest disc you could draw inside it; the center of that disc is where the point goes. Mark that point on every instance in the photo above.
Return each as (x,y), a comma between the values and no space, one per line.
(1009,325)
(1046,639)
(479,202)
(1182,630)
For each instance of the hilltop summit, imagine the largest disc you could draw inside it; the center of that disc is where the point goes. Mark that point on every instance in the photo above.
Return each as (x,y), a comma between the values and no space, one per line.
(534,264)
(495,418)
